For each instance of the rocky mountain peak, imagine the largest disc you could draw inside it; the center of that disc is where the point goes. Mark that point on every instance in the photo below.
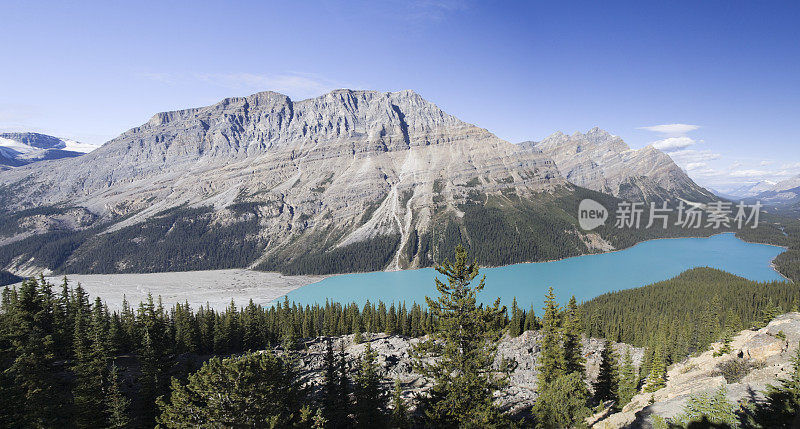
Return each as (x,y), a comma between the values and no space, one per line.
(603,162)
(340,169)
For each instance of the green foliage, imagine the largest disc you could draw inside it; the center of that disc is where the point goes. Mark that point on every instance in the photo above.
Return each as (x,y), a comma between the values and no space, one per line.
(370,397)
(573,349)
(562,402)
(253,390)
(657,378)
(117,406)
(464,342)
(368,255)
(682,311)
(399,416)
(29,375)
(552,362)
(563,396)
(734,369)
(607,385)
(628,380)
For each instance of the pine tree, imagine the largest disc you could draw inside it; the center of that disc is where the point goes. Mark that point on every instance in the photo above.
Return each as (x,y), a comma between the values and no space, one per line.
(370,398)
(343,400)
(91,365)
(563,396)
(552,362)
(399,418)
(573,351)
(335,397)
(31,395)
(657,377)
(150,380)
(253,390)
(606,387)
(531,321)
(628,380)
(117,406)
(465,343)
(562,403)
(732,326)
(516,324)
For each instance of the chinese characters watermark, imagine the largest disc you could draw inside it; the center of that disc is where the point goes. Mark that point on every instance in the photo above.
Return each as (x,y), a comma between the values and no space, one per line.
(637,214)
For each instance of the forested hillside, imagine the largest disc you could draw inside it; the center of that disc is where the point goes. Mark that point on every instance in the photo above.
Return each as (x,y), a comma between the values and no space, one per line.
(685,314)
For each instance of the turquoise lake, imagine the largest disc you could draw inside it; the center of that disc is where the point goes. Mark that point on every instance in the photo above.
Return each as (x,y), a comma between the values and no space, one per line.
(583,276)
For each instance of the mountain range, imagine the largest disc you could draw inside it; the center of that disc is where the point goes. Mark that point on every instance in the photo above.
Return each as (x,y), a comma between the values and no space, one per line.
(17,149)
(348,181)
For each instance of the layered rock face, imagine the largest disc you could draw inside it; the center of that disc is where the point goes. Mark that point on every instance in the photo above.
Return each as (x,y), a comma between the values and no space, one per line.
(349,165)
(603,162)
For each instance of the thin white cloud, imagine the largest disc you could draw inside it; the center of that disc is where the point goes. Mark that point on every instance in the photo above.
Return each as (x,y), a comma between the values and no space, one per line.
(674,143)
(766,163)
(671,129)
(752,173)
(687,156)
(696,165)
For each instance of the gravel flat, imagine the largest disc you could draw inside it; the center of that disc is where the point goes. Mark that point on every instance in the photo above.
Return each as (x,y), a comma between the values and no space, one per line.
(215,287)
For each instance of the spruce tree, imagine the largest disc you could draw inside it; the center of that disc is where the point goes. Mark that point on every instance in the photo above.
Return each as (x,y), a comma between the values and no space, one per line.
(552,362)
(531,321)
(606,387)
(628,380)
(253,390)
(335,402)
(117,406)
(151,378)
(657,377)
(399,418)
(573,350)
(32,396)
(516,324)
(370,398)
(562,402)
(464,342)
(91,365)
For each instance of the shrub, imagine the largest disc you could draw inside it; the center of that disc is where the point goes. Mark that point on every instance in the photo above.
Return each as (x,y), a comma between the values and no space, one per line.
(734,369)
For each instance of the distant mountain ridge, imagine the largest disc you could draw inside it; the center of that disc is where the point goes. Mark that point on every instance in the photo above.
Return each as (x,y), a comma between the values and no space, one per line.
(348,181)
(603,162)
(18,149)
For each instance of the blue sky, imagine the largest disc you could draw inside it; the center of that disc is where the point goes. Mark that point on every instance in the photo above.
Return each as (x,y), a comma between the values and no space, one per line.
(728,71)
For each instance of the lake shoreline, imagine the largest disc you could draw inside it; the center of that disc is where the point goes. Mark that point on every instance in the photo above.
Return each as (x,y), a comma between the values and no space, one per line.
(585,276)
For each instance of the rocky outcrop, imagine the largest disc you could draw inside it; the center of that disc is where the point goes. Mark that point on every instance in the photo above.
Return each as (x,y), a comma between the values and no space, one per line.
(763,357)
(603,162)
(396,364)
(757,358)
